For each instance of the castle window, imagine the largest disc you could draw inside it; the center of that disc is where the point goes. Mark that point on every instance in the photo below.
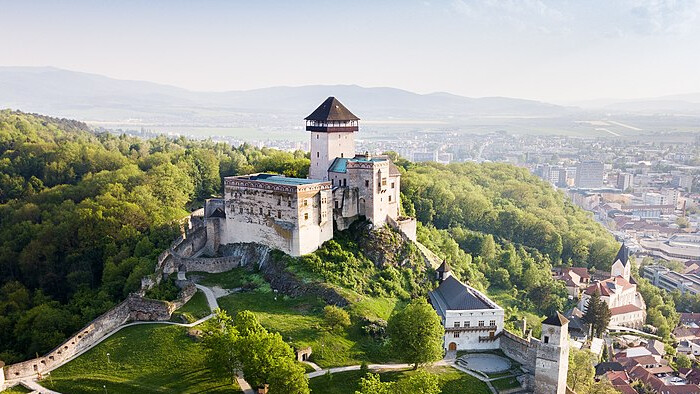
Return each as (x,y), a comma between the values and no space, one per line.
(366,183)
(268,212)
(332,182)
(393,185)
(316,136)
(345,181)
(456,334)
(279,214)
(492,323)
(240,210)
(261,211)
(383,181)
(342,155)
(306,216)
(336,205)
(546,339)
(289,203)
(456,324)
(467,324)
(279,201)
(481,323)
(389,197)
(306,202)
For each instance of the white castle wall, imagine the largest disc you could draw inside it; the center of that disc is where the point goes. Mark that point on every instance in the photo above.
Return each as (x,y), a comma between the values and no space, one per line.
(325,147)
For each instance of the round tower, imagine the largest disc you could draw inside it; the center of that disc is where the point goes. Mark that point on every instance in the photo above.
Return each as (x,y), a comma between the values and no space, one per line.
(332,128)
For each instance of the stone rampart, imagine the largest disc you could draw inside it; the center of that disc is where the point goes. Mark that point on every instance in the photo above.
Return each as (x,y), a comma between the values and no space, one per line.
(212,265)
(405,226)
(520,349)
(134,308)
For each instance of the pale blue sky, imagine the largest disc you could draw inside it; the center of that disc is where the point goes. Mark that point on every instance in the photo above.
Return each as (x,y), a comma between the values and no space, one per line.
(551,50)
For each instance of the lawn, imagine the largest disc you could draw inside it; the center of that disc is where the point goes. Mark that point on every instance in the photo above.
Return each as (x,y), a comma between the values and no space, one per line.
(237,277)
(17,389)
(145,358)
(195,309)
(452,381)
(505,383)
(300,322)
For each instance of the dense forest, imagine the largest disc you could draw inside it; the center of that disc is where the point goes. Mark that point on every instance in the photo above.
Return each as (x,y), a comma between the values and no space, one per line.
(83,217)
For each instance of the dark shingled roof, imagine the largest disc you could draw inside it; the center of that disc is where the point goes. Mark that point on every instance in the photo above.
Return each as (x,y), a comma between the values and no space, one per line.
(457,296)
(556,320)
(331,110)
(444,267)
(604,367)
(623,254)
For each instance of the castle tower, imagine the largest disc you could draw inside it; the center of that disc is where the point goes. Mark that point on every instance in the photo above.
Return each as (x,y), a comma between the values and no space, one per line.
(552,360)
(621,265)
(444,271)
(332,128)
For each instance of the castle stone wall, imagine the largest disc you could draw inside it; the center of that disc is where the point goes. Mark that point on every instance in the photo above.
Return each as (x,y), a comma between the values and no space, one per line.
(519,349)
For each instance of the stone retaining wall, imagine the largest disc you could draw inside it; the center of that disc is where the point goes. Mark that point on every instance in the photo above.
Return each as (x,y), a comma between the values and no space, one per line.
(520,349)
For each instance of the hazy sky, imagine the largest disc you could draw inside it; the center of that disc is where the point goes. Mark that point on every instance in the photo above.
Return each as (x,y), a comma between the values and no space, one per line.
(549,50)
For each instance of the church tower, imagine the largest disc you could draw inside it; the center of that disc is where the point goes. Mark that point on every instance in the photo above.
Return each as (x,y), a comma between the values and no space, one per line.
(332,128)
(552,360)
(621,265)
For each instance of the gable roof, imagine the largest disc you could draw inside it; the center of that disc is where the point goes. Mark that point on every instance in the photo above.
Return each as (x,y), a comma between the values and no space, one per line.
(556,320)
(623,254)
(331,110)
(455,295)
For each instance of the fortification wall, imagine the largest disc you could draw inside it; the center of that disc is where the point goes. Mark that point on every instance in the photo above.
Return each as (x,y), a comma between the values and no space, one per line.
(212,265)
(405,226)
(520,349)
(134,308)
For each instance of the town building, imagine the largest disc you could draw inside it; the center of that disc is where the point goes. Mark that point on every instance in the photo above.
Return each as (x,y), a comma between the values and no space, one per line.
(471,320)
(298,215)
(627,307)
(589,174)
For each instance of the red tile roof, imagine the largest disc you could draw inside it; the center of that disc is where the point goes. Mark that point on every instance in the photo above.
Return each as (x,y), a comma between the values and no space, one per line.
(621,310)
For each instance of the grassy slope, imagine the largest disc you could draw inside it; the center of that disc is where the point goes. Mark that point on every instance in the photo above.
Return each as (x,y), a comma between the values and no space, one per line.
(451,381)
(300,321)
(18,389)
(143,359)
(195,309)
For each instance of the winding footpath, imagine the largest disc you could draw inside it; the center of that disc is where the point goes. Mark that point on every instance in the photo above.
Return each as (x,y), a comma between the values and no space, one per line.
(33,384)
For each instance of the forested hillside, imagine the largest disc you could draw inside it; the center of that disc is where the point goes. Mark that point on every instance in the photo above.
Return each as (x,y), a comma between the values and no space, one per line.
(83,217)
(502,228)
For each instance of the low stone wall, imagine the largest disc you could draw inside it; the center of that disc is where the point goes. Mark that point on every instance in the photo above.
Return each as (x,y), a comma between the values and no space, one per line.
(134,308)
(520,349)
(212,265)
(405,226)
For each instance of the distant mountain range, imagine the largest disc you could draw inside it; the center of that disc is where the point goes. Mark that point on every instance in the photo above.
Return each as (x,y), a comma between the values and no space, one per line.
(98,98)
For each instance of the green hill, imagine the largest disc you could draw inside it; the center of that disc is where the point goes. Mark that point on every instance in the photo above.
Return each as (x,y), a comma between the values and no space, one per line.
(83,217)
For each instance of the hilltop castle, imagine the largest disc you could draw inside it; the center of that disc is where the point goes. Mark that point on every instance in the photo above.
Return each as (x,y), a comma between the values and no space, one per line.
(297,215)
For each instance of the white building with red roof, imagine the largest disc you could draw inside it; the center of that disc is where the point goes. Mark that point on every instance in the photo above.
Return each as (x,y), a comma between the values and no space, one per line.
(627,307)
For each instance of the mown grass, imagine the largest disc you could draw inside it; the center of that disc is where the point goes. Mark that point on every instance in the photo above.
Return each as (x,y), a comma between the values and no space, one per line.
(451,381)
(17,389)
(237,277)
(195,309)
(146,358)
(300,322)
(505,383)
